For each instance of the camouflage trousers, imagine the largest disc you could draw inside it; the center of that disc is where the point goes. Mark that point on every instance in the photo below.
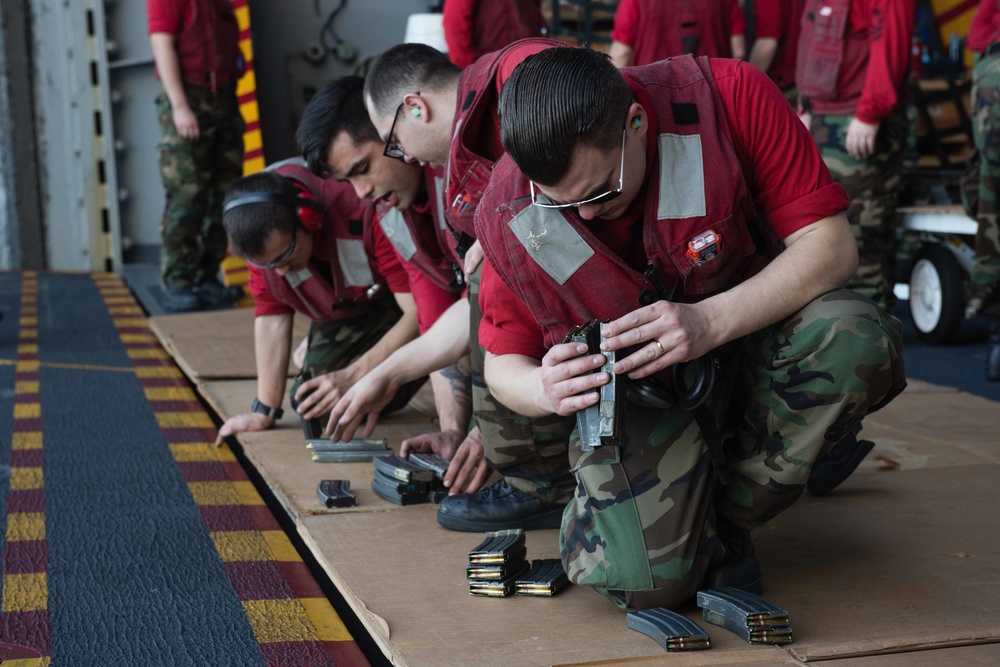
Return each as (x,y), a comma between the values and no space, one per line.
(195,177)
(872,185)
(640,529)
(529,451)
(335,345)
(986,132)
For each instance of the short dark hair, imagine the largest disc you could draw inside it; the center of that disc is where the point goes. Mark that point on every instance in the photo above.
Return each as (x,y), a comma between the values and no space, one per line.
(249,226)
(556,99)
(337,107)
(407,68)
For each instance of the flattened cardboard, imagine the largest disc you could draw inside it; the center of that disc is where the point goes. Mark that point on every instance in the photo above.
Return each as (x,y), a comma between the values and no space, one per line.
(218,344)
(983,655)
(889,563)
(281,457)
(405,577)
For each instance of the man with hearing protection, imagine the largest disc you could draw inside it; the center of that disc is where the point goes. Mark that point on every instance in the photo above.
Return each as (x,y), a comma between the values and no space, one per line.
(428,110)
(313,248)
(338,141)
(662,201)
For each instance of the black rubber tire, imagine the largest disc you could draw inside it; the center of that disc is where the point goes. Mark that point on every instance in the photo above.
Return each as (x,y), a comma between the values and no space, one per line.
(937,294)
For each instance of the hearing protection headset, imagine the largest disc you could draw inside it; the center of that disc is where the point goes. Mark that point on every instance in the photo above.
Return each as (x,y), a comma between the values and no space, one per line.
(309,212)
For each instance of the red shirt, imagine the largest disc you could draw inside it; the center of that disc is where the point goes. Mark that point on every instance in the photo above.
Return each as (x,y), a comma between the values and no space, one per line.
(888,26)
(473,28)
(641,24)
(780,19)
(431,300)
(985,28)
(207,38)
(791,187)
(386,262)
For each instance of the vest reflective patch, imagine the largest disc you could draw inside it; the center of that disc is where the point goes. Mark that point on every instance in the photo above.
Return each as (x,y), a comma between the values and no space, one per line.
(439,197)
(551,241)
(682,177)
(354,263)
(296,278)
(398,233)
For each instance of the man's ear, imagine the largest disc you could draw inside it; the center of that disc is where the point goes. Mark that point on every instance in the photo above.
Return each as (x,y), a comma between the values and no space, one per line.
(638,120)
(415,106)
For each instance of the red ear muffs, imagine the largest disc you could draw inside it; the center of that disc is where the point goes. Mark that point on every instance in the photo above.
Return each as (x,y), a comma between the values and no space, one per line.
(309,211)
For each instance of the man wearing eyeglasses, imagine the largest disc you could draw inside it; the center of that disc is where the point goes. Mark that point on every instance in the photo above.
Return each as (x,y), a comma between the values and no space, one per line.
(428,110)
(313,248)
(339,142)
(650,199)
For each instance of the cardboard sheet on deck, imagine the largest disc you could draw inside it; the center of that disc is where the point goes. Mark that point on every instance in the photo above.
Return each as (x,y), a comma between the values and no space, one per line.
(281,457)
(215,345)
(930,426)
(889,563)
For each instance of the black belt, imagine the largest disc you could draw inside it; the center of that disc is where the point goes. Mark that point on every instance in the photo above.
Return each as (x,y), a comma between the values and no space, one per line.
(992,49)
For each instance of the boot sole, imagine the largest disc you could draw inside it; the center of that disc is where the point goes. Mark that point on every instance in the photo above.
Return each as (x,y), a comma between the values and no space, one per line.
(550,519)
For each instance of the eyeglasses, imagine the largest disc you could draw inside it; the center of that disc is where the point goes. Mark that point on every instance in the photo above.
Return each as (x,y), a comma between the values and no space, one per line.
(393,149)
(599,199)
(283,257)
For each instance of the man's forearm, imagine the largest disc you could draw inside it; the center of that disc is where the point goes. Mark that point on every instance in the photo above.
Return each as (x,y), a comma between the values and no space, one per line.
(515,381)
(402,332)
(817,259)
(169,67)
(453,396)
(763,52)
(272,347)
(621,54)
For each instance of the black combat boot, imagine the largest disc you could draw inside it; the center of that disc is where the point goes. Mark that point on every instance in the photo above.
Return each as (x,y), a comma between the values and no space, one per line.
(740,567)
(836,465)
(181,299)
(498,507)
(215,295)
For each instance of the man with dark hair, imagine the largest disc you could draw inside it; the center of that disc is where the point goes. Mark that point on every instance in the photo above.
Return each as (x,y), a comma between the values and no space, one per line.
(312,248)
(338,141)
(736,352)
(428,110)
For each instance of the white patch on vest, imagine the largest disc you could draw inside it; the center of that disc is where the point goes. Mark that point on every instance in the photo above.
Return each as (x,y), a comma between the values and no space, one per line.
(682,177)
(398,233)
(825,11)
(551,241)
(354,263)
(439,197)
(296,278)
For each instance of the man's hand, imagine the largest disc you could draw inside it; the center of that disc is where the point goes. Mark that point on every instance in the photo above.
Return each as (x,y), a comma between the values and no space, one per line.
(367,398)
(468,469)
(666,334)
(317,396)
(567,379)
(186,123)
(860,139)
(244,423)
(473,258)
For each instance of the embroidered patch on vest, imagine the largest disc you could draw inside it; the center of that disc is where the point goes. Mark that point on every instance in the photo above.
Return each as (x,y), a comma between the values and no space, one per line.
(685,113)
(551,241)
(682,177)
(354,263)
(469,98)
(394,226)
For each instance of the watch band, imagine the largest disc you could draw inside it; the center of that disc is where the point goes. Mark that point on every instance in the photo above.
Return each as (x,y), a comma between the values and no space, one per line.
(266,410)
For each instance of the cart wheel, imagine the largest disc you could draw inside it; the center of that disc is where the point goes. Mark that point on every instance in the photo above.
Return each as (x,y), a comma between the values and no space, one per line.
(936,295)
